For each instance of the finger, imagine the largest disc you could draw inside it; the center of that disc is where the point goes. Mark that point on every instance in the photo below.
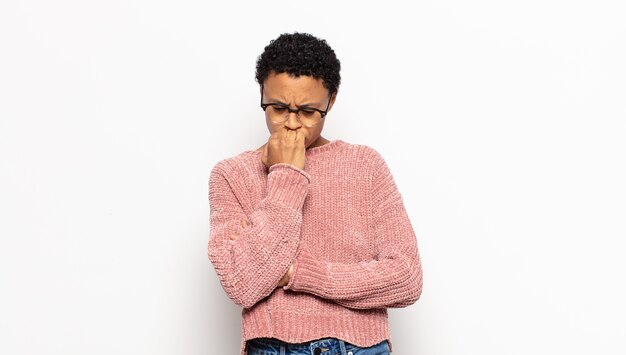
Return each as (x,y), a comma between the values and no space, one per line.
(300,138)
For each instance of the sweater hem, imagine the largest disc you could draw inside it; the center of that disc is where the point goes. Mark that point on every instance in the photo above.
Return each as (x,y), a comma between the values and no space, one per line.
(363,329)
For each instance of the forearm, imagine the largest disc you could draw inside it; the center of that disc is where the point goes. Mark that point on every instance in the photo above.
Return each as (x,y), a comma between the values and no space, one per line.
(393,281)
(250,266)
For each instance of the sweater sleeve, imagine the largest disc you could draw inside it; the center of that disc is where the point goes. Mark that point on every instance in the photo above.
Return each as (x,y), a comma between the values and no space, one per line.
(250,267)
(393,279)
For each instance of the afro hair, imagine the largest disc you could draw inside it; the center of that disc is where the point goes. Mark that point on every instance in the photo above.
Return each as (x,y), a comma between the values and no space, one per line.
(300,54)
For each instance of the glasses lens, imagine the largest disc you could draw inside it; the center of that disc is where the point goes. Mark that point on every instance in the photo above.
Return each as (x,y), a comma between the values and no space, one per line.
(277,111)
(309,117)
(277,114)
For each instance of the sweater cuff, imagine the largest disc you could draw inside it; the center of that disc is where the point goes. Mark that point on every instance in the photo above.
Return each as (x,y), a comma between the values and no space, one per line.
(309,274)
(288,184)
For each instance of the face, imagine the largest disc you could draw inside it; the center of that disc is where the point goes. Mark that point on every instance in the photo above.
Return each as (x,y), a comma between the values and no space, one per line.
(296,92)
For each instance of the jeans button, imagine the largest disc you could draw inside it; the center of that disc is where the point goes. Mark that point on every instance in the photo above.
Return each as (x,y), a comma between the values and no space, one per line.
(317,351)
(349,352)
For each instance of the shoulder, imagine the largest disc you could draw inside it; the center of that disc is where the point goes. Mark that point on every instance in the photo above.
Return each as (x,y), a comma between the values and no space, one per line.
(367,154)
(371,163)
(236,164)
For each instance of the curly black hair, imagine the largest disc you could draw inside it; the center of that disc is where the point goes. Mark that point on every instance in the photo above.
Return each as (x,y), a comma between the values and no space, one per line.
(300,54)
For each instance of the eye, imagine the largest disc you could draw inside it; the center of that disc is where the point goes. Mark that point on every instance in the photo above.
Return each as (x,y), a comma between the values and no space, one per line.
(279,109)
(308,112)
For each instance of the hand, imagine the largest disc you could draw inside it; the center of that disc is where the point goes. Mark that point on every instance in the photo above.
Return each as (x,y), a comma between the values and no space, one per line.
(285,280)
(284,146)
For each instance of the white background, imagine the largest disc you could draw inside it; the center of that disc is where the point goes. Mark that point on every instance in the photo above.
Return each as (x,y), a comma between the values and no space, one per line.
(502,122)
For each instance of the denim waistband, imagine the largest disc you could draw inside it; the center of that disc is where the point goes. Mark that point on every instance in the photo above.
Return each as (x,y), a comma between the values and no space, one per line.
(329,343)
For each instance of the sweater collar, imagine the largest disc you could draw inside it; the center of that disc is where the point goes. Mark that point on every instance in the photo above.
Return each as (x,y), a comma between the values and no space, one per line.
(332,145)
(315,151)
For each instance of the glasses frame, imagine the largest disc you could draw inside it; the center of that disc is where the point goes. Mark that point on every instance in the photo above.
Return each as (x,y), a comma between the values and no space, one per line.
(297,111)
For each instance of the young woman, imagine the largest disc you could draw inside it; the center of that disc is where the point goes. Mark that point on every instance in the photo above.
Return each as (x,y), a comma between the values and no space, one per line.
(309,235)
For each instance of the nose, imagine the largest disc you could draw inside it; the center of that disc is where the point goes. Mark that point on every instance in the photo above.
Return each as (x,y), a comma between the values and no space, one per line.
(292,121)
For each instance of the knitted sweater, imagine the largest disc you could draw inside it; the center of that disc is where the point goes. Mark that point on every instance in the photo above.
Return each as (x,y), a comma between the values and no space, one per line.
(341,221)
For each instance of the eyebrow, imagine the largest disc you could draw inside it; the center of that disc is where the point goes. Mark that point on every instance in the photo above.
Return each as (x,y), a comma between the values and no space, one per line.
(303,105)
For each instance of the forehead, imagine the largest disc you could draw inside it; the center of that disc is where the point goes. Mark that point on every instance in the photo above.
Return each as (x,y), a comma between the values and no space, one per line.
(284,85)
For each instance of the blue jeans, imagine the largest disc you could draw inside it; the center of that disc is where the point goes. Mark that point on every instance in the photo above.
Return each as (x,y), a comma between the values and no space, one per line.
(324,346)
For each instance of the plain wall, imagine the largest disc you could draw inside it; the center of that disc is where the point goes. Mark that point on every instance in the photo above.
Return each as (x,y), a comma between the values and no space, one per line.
(502,122)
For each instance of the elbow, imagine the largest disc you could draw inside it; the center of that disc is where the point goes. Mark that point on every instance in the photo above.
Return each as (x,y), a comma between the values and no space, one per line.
(244,302)
(241,297)
(412,287)
(250,301)
(237,289)
(416,291)
(416,284)
(416,280)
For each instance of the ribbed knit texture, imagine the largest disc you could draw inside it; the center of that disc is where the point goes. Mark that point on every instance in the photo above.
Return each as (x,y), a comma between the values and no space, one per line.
(342,222)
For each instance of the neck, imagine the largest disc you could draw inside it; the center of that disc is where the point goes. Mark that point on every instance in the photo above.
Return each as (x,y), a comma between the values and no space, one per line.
(318,142)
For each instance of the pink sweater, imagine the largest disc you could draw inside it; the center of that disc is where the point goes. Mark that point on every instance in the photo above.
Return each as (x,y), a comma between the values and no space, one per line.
(341,221)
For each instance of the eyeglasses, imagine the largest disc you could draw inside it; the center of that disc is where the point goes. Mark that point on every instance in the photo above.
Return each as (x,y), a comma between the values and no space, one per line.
(308,116)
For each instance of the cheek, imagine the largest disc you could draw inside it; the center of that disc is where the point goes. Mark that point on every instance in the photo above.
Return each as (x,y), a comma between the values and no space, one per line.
(310,136)
(269,125)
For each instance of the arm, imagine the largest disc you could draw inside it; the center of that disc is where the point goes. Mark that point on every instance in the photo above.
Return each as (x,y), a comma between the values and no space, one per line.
(250,267)
(393,279)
